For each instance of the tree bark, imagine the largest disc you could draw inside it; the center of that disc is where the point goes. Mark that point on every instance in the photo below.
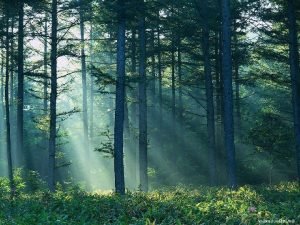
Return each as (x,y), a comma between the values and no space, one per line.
(237,84)
(12,88)
(45,103)
(2,107)
(45,93)
(210,111)
(7,112)
(173,100)
(180,94)
(53,98)
(160,100)
(134,167)
(91,127)
(12,67)
(143,154)
(20,101)
(228,95)
(120,100)
(83,77)
(2,77)
(295,73)
(153,75)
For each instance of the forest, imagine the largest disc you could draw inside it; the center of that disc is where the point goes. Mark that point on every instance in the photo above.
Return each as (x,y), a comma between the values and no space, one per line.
(149,112)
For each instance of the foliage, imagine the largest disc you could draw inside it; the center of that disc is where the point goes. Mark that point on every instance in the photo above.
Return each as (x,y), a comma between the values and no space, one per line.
(180,205)
(271,134)
(106,147)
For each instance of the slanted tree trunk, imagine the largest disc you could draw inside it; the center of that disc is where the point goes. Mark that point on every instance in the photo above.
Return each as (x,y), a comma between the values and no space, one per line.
(7,111)
(120,100)
(210,111)
(83,77)
(295,76)
(143,154)
(20,95)
(228,95)
(53,98)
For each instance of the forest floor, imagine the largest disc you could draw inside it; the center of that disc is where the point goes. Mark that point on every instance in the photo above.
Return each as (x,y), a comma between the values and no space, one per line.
(279,204)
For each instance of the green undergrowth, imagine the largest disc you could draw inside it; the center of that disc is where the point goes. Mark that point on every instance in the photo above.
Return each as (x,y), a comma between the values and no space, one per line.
(278,204)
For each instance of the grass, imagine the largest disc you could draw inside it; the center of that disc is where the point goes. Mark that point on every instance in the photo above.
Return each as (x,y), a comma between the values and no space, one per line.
(178,206)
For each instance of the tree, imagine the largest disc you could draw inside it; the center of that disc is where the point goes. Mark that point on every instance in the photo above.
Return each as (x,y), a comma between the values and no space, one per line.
(143,159)
(295,73)
(20,100)
(120,101)
(53,98)
(210,112)
(83,74)
(228,96)
(45,103)
(7,110)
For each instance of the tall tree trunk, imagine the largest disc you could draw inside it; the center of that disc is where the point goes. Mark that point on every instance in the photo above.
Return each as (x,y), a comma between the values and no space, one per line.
(173,100)
(228,98)
(295,73)
(180,94)
(12,91)
(209,98)
(110,71)
(120,100)
(126,117)
(237,82)
(153,75)
(20,101)
(134,167)
(219,84)
(12,67)
(53,98)
(91,127)
(45,93)
(219,107)
(133,51)
(181,140)
(2,108)
(45,81)
(2,75)
(159,65)
(83,74)
(143,154)
(8,133)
